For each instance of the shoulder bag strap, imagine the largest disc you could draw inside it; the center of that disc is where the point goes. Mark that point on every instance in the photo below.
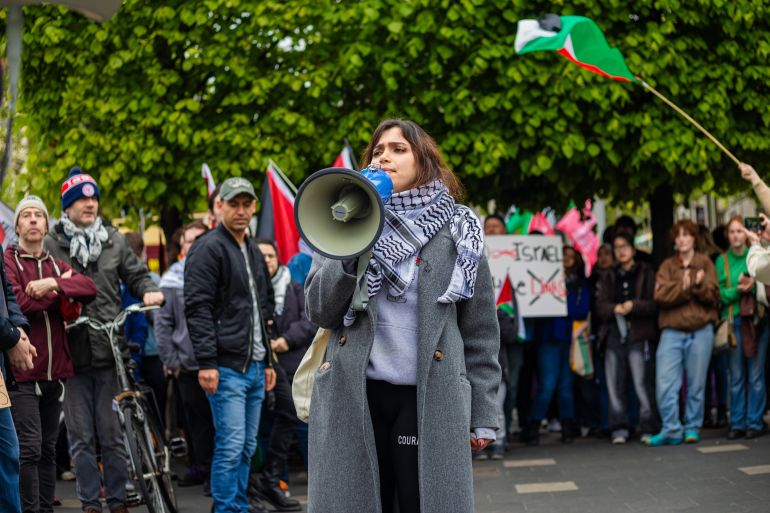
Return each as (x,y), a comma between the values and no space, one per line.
(729,284)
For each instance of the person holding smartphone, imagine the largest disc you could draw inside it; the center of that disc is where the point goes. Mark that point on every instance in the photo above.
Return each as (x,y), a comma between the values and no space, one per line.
(748,356)
(758,258)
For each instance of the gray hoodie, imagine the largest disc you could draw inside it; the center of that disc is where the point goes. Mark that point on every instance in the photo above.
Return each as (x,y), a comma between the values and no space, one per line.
(174,344)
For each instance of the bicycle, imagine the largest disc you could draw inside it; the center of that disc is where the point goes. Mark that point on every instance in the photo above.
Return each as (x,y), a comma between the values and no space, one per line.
(148,452)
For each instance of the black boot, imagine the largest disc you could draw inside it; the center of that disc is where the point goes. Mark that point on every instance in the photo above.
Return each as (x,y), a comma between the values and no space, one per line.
(268,487)
(533,433)
(567,431)
(721,416)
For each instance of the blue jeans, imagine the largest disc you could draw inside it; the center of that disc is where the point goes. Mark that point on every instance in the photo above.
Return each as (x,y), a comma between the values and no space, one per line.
(553,371)
(751,370)
(10,498)
(678,352)
(235,408)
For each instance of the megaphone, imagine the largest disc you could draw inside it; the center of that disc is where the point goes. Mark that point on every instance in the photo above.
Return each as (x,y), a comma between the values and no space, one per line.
(340,213)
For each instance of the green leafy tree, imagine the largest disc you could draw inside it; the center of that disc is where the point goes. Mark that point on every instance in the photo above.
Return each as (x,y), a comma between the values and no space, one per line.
(144,99)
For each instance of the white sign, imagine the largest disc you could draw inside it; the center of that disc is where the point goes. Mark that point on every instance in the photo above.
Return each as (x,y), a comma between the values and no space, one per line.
(534,266)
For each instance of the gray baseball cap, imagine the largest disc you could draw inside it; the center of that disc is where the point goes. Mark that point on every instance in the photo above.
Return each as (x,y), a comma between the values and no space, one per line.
(232,187)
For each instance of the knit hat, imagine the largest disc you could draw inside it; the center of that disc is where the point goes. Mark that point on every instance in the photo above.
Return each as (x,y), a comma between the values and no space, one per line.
(77,185)
(29,202)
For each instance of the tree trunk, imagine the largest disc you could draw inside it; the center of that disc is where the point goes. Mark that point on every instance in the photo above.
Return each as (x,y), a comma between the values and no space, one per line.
(661,220)
(170,220)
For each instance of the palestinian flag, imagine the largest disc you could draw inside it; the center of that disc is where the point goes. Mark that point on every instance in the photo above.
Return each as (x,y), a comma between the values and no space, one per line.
(276,214)
(578,39)
(346,159)
(505,297)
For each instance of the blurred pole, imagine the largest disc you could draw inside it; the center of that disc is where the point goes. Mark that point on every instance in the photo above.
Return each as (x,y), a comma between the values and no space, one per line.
(14,31)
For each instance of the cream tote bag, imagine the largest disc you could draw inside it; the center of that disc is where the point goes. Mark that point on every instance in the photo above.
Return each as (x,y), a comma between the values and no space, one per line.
(304,378)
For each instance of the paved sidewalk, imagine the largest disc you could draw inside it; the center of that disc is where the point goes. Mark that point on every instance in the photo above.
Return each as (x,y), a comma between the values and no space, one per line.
(715,476)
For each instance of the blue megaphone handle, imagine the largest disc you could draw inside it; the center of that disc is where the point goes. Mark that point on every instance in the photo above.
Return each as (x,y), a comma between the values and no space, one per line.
(381,181)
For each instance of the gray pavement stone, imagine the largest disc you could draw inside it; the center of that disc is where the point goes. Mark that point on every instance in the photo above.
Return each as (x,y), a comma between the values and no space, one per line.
(611,479)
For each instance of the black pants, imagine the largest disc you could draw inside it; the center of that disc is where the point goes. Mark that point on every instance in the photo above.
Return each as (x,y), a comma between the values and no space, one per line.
(198,419)
(36,411)
(281,423)
(394,418)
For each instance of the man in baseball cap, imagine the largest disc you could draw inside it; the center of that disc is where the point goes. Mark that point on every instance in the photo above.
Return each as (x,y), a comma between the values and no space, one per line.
(228,303)
(233,187)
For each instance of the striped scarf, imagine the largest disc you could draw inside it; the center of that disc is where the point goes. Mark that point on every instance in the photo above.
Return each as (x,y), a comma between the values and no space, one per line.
(412,218)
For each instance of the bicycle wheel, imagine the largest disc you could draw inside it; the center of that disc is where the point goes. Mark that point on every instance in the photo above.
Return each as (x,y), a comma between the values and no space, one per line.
(163,460)
(145,467)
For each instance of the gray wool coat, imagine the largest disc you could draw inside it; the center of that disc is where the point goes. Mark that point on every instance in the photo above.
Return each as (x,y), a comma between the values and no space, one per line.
(457,380)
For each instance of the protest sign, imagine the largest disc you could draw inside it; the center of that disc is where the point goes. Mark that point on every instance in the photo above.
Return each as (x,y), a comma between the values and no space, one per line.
(534,266)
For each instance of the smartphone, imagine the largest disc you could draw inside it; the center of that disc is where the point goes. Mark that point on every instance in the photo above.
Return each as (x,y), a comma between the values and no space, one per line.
(753,224)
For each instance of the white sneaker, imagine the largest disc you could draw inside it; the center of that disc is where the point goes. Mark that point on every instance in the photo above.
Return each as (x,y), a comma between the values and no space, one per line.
(619,440)
(554,426)
(67,476)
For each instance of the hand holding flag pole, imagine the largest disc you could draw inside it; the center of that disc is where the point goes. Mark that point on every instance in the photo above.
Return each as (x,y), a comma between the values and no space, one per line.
(581,41)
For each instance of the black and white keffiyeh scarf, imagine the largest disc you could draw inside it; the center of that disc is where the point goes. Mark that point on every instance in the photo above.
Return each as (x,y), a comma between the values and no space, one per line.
(85,243)
(412,218)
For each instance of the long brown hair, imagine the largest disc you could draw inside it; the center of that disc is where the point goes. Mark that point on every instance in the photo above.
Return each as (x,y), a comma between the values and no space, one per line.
(430,164)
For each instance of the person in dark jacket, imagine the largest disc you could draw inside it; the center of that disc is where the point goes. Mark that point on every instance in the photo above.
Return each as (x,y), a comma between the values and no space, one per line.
(100,252)
(554,373)
(176,352)
(291,333)
(626,305)
(510,356)
(228,304)
(18,351)
(46,290)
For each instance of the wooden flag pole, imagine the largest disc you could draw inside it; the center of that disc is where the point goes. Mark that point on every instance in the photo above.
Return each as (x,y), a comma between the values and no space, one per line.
(688,118)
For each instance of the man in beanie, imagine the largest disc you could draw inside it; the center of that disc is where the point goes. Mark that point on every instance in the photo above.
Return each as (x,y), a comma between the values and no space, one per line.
(16,350)
(47,291)
(100,252)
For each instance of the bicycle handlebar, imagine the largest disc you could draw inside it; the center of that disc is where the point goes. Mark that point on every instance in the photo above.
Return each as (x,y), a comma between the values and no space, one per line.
(117,322)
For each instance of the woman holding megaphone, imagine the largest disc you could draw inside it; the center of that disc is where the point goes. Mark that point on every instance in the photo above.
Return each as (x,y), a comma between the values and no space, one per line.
(408,385)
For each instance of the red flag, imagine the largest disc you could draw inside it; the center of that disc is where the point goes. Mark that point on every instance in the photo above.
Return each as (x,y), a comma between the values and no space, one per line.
(539,223)
(276,215)
(345,159)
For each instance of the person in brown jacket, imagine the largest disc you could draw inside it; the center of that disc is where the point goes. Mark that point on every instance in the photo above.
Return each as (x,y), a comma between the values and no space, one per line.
(626,305)
(687,292)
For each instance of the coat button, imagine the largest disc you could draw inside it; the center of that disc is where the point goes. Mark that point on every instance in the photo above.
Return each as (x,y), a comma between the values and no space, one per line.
(343,339)
(325,365)
(438,356)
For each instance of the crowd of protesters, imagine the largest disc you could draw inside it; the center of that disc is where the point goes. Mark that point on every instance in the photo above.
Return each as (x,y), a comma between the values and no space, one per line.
(660,374)
(222,350)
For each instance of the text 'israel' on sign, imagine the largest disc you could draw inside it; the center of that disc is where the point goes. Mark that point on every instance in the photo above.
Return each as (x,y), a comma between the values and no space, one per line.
(533,265)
